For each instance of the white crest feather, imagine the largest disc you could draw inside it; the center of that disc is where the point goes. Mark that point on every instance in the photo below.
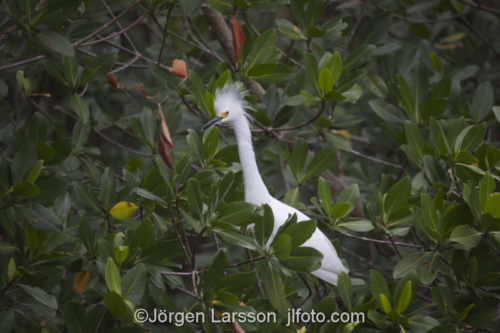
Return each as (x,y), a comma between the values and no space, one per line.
(231,98)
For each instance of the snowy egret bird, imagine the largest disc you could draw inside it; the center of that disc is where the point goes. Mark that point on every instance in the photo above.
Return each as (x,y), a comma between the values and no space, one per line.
(230,107)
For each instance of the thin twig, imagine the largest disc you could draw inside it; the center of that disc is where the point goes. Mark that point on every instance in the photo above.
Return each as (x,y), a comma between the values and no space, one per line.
(122,31)
(373,159)
(382,241)
(355,28)
(119,145)
(247,261)
(164,33)
(100,166)
(471,28)
(409,20)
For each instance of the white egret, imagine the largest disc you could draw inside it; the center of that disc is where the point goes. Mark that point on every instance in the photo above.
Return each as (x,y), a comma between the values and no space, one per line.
(230,108)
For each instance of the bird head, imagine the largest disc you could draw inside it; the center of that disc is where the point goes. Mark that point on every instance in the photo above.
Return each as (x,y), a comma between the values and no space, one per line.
(229,105)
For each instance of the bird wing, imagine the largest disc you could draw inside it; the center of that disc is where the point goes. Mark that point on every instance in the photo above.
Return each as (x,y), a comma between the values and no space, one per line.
(331,265)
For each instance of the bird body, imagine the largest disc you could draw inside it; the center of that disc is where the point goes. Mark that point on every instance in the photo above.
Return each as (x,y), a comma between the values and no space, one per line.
(229,105)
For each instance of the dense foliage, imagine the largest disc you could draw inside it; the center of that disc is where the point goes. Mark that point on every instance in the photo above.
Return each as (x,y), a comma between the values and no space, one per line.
(375,118)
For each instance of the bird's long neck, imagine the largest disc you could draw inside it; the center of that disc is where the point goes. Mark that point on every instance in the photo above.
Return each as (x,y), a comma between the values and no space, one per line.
(255,190)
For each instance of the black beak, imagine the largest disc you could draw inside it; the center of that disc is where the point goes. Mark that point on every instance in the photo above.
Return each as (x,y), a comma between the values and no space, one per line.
(212,122)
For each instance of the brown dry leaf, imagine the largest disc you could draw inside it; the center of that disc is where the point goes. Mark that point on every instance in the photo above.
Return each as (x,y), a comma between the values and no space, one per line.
(238,37)
(145,94)
(82,279)
(179,68)
(137,87)
(112,80)
(164,141)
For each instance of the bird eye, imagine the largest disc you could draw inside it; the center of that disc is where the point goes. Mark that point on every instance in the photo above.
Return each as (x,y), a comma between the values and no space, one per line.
(224,114)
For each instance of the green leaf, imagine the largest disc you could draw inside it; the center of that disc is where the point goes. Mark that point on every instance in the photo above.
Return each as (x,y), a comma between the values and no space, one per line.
(299,156)
(112,277)
(300,232)
(235,283)
(397,196)
(75,317)
(275,290)
(31,237)
(376,29)
(406,97)
(379,286)
(157,251)
(386,111)
(358,57)
(375,84)
(470,137)
(134,283)
(281,246)
(303,259)
(322,161)
(115,304)
(340,209)
(54,71)
(71,70)
(358,225)
(312,72)
(56,42)
(148,195)
(121,253)
(344,287)
(236,213)
(26,189)
(334,64)
(410,262)
(264,226)
(198,90)
(288,29)
(80,107)
(404,298)
(236,239)
(24,160)
(108,186)
(86,235)
(271,73)
(325,80)
(350,195)
(86,196)
(299,14)
(143,234)
(219,263)
(195,198)
(223,79)
(325,195)
(262,48)
(482,101)
(384,303)
(466,236)
(40,295)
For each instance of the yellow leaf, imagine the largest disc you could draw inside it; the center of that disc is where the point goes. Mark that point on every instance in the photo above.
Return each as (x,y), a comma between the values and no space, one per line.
(123,210)
(81,281)
(39,94)
(302,330)
(453,38)
(344,133)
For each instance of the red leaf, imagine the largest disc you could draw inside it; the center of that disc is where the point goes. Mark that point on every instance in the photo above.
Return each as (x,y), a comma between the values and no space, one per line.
(238,37)
(179,68)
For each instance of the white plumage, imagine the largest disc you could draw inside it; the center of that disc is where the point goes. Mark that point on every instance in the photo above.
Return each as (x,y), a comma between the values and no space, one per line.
(229,105)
